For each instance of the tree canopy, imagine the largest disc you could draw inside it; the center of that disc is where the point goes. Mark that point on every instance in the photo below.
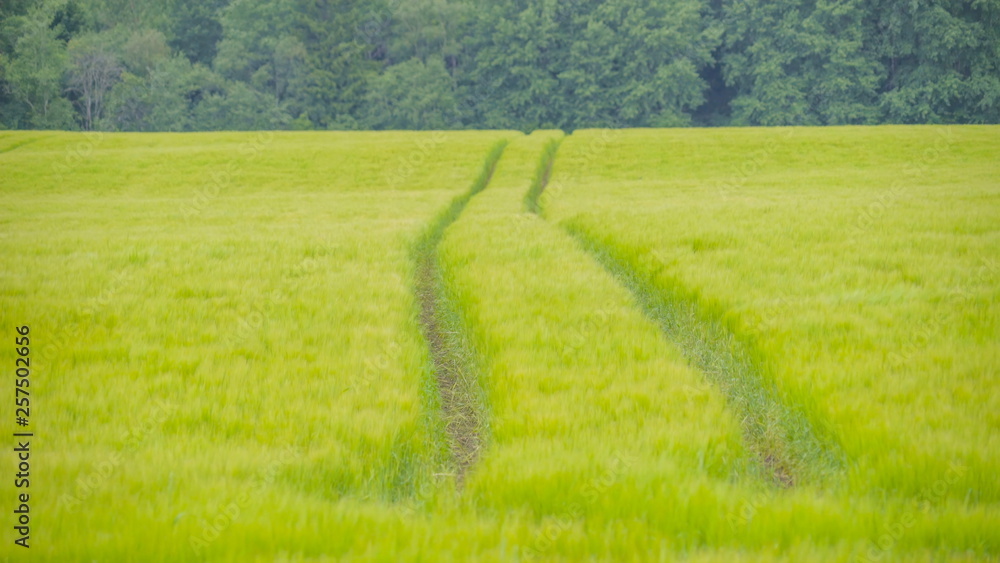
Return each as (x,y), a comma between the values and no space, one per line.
(185,65)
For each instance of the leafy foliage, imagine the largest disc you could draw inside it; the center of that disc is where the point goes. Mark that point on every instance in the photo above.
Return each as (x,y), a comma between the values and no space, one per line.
(447,64)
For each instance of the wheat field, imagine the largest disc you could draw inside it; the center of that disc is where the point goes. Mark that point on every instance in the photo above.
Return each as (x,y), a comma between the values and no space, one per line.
(615,345)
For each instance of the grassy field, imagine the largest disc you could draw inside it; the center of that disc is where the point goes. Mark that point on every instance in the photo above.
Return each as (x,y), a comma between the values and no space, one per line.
(704,345)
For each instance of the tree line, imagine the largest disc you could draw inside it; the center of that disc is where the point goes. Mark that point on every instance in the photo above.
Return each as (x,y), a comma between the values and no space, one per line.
(187,65)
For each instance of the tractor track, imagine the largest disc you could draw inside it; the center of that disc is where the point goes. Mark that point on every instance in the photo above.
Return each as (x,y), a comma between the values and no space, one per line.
(452,356)
(786,448)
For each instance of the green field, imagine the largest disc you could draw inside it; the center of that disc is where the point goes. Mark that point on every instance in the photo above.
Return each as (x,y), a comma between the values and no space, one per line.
(653,345)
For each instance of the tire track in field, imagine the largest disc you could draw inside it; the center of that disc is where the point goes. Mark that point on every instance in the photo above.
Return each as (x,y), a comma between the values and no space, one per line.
(19,144)
(780,437)
(451,354)
(542,174)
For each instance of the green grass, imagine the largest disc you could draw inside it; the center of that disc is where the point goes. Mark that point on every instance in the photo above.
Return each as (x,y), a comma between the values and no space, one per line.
(461,403)
(787,449)
(860,263)
(571,402)
(231,363)
(269,310)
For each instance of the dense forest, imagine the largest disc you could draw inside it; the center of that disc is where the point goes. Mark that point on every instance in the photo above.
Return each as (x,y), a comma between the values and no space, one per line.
(184,65)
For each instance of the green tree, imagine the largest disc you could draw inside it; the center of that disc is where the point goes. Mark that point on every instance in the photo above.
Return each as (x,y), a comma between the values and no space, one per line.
(591,63)
(69,19)
(340,60)
(195,28)
(637,63)
(764,46)
(843,76)
(165,100)
(795,62)
(341,64)
(94,69)
(130,14)
(35,72)
(412,95)
(259,47)
(144,50)
(942,60)
(426,29)
(518,53)
(239,108)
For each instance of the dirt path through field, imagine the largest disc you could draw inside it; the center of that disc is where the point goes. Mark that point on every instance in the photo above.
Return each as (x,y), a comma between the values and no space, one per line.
(781,438)
(453,358)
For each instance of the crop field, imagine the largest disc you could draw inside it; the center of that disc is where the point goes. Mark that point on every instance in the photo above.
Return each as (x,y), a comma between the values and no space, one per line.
(750,344)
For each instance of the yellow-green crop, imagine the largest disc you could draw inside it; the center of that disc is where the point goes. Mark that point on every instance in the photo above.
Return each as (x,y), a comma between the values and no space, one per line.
(646,345)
